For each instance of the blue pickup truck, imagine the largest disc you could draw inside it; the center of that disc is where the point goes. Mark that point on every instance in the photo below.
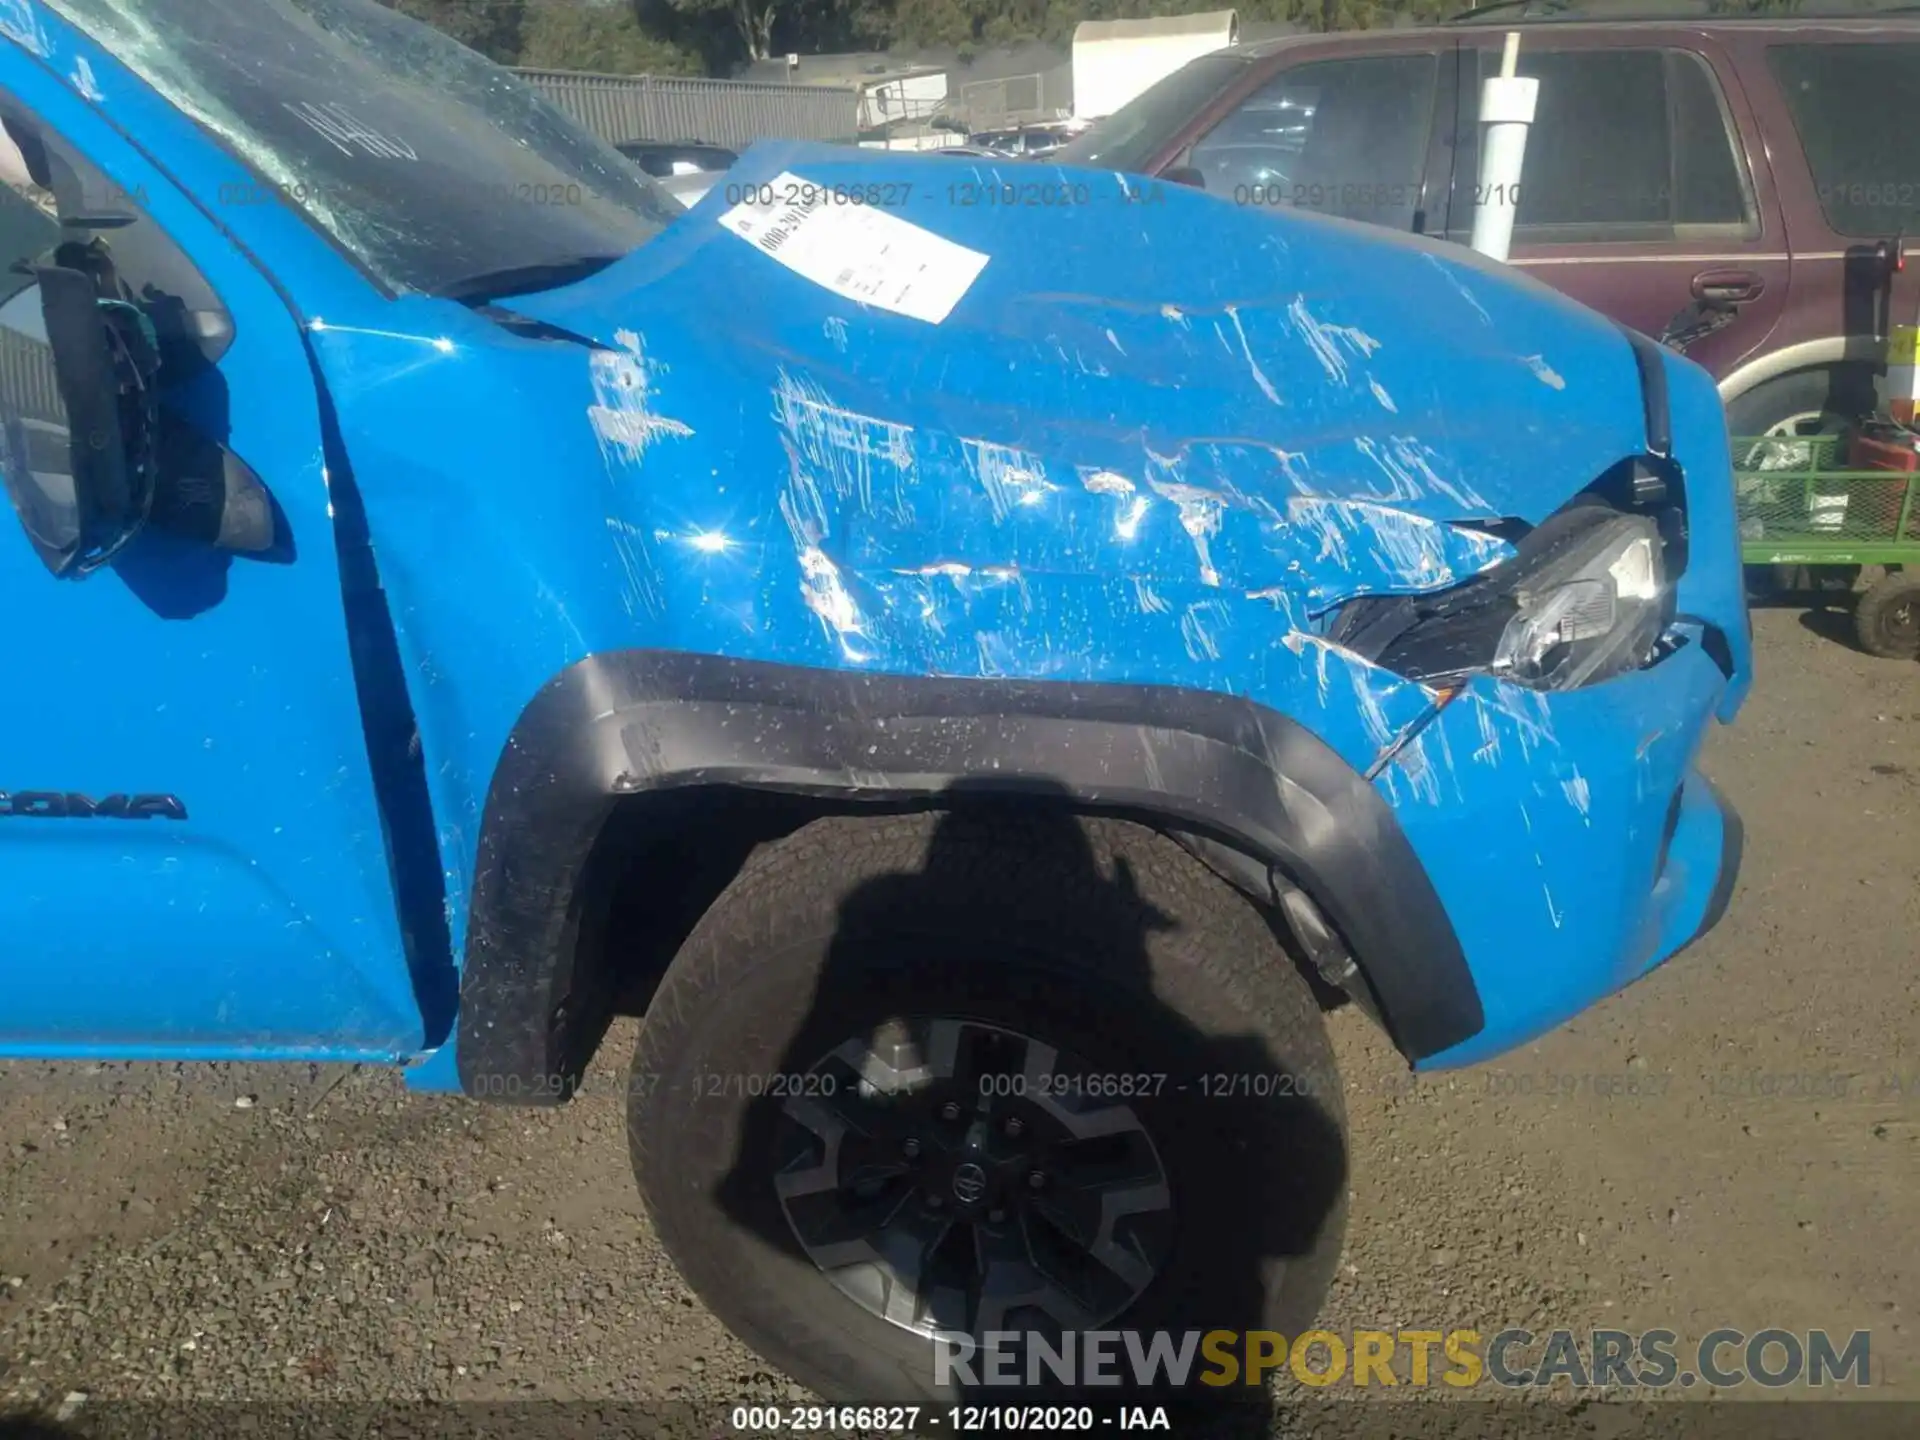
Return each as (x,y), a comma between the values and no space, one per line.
(980,659)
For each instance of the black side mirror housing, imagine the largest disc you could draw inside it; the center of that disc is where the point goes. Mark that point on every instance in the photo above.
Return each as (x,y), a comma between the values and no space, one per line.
(103,363)
(1185,175)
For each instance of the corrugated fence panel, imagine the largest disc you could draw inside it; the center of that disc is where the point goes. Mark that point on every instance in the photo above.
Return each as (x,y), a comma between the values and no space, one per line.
(734,113)
(27,373)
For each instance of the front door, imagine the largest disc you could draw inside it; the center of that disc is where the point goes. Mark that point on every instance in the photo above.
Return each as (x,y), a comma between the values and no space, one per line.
(1638,195)
(192,855)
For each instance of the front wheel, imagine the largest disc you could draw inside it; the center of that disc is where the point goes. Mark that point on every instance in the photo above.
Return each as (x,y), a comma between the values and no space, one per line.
(919,1080)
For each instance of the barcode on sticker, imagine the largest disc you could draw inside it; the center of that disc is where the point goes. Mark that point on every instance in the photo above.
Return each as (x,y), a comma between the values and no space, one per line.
(858,251)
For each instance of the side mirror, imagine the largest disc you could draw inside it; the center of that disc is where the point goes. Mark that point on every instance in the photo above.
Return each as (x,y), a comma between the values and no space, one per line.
(1185,175)
(103,361)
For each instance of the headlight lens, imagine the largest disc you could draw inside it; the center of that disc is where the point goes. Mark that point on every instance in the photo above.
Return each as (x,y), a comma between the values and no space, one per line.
(1591,611)
(1585,597)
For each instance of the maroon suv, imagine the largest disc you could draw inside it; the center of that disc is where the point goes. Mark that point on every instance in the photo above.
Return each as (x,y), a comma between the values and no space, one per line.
(1736,185)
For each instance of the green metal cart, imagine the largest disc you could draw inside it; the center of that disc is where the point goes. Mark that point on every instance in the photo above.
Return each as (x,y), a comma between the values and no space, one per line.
(1799,505)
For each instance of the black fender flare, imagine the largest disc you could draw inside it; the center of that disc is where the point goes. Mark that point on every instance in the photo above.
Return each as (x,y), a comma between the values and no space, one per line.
(629,722)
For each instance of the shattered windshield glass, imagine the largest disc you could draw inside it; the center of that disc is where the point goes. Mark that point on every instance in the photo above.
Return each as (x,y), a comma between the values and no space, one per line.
(430,165)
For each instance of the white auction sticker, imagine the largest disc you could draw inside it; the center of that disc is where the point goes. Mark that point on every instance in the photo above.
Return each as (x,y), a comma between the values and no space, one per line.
(855,250)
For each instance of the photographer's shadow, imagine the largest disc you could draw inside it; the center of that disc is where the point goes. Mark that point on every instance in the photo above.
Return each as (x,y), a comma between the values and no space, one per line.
(34,1427)
(1046,1083)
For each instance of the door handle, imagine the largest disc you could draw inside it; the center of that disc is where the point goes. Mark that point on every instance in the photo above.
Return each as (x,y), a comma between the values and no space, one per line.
(1728,287)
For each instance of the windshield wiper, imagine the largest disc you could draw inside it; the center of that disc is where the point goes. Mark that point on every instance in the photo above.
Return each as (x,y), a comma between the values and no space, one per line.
(523,279)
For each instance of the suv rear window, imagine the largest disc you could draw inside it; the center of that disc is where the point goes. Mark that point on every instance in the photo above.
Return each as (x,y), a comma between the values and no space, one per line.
(1845,103)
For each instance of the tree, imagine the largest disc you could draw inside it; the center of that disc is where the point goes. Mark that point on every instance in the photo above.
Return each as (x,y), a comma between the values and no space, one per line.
(751,21)
(493,27)
(570,35)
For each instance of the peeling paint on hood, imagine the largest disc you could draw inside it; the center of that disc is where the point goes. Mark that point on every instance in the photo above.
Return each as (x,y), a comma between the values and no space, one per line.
(1157,439)
(1142,380)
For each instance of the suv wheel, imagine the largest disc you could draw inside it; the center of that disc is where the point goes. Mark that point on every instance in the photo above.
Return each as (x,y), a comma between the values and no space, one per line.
(1806,403)
(985,1070)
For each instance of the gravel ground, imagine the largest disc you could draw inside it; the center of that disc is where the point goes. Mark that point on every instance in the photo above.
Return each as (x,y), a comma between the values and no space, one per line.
(293,1233)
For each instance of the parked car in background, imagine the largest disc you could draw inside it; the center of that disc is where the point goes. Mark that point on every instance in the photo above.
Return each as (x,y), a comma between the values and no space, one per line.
(1730,177)
(686,169)
(1027,141)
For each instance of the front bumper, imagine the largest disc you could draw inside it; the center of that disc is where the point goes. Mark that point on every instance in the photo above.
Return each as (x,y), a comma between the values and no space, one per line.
(1571,840)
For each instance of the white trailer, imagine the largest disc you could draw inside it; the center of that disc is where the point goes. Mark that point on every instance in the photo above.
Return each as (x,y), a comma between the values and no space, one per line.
(1114,60)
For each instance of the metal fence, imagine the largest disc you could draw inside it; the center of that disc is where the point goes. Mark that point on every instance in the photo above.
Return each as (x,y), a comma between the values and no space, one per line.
(28,377)
(734,113)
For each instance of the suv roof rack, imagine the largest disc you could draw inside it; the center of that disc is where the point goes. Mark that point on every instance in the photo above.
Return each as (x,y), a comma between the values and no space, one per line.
(1508,12)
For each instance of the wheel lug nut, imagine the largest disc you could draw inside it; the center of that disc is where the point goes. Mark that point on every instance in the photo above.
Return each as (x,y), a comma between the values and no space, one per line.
(1036,1181)
(950,1111)
(1015,1128)
(911,1149)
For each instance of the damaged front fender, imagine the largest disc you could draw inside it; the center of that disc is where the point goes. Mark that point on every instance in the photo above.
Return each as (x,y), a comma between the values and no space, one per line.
(1147,446)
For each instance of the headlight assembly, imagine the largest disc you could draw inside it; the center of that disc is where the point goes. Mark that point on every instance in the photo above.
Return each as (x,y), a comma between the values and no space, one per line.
(1585,597)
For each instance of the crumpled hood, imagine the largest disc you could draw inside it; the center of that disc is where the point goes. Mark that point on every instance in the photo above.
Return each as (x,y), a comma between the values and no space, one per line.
(1149,439)
(1137,378)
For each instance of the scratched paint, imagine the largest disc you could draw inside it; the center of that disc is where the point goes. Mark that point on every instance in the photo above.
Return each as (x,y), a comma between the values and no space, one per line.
(1545,373)
(1149,600)
(1010,477)
(1410,468)
(1169,481)
(852,456)
(1423,779)
(20,23)
(1404,551)
(1451,273)
(1253,366)
(621,414)
(639,585)
(1195,629)
(826,595)
(1130,507)
(1199,511)
(1332,345)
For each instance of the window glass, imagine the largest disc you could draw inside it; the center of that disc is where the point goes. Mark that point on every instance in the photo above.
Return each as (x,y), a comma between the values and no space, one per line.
(1134,134)
(436,169)
(1343,137)
(58,208)
(1626,145)
(1844,101)
(1707,184)
(34,453)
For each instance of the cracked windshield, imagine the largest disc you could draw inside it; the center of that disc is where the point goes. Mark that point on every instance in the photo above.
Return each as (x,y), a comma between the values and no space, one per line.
(422,161)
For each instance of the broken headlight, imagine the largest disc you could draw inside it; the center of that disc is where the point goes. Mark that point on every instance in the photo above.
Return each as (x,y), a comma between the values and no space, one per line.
(1585,597)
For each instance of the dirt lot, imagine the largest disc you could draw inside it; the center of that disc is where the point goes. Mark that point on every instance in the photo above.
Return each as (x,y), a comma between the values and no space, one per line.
(293,1233)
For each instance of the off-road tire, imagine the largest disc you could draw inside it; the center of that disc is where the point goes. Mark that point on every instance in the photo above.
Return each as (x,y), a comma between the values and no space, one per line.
(1097,936)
